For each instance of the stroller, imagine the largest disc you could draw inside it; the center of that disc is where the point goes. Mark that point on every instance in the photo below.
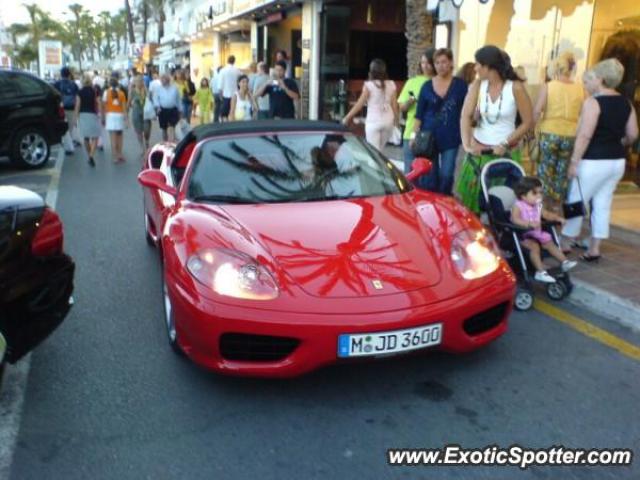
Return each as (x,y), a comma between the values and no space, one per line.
(497,179)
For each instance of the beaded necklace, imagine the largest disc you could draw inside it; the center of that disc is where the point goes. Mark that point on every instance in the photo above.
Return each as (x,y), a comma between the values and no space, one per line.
(486,106)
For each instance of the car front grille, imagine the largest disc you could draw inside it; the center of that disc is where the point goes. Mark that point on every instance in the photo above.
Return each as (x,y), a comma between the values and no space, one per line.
(485,321)
(256,348)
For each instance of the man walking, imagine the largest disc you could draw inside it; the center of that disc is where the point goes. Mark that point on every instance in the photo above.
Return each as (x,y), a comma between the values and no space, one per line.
(69,90)
(229,84)
(282,93)
(262,80)
(216,89)
(166,99)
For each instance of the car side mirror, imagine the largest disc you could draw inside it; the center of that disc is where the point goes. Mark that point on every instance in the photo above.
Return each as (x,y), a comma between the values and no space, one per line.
(156,179)
(420,166)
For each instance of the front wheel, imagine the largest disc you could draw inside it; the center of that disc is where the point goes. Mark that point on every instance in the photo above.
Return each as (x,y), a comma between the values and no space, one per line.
(30,148)
(524,299)
(150,240)
(169,319)
(557,291)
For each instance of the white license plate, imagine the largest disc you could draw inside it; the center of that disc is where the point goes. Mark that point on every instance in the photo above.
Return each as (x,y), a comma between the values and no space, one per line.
(381,343)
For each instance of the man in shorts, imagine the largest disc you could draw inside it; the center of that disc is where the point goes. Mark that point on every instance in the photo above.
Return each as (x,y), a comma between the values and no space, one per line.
(166,99)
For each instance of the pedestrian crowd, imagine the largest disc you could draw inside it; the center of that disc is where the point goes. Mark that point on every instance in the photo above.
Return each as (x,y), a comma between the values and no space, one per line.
(95,104)
(484,112)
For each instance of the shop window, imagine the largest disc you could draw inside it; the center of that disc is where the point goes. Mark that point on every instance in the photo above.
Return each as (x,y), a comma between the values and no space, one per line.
(388,46)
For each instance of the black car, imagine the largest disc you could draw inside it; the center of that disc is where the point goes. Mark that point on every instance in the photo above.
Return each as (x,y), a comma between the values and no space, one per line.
(31,118)
(36,276)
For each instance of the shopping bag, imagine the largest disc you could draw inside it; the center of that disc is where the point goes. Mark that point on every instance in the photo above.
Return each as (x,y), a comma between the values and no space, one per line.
(182,129)
(396,137)
(148,111)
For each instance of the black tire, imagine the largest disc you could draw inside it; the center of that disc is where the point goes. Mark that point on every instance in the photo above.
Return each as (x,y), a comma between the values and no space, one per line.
(557,291)
(169,321)
(524,299)
(148,236)
(30,148)
(567,283)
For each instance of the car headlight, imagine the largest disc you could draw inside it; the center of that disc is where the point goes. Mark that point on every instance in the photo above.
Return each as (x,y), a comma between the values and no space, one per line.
(232,274)
(475,253)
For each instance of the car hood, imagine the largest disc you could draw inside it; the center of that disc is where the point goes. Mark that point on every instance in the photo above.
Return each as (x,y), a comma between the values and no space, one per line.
(346,248)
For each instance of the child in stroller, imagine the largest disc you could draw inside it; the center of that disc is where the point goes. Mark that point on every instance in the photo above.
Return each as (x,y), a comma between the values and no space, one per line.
(523,228)
(527,212)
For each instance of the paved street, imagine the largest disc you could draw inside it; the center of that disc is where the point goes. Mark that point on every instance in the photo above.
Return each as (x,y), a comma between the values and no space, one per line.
(106,397)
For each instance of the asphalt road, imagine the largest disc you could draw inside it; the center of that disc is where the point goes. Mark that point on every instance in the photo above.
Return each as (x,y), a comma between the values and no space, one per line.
(106,397)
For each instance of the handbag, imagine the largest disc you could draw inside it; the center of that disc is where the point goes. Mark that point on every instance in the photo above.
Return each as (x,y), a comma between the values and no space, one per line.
(396,137)
(424,145)
(148,111)
(575,209)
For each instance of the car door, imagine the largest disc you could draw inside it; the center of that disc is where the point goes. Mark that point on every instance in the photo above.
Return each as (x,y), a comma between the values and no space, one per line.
(156,201)
(8,105)
(28,103)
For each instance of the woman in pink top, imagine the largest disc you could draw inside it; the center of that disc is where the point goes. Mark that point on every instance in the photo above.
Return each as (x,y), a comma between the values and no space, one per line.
(528,212)
(379,94)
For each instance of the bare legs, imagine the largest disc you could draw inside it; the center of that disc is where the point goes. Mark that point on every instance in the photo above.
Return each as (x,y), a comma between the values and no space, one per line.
(116,145)
(91,144)
(535,253)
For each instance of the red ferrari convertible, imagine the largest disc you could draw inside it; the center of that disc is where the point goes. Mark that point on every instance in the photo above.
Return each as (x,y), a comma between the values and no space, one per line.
(290,245)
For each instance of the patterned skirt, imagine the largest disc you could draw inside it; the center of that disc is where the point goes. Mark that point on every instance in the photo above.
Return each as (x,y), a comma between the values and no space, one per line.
(467,188)
(555,155)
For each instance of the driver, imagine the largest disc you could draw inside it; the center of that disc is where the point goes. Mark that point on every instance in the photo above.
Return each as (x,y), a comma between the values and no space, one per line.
(334,167)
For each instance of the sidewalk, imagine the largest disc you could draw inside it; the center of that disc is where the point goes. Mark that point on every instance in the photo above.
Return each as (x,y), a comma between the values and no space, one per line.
(610,287)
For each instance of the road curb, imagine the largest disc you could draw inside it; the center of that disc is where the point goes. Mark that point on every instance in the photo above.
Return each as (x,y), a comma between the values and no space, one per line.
(606,304)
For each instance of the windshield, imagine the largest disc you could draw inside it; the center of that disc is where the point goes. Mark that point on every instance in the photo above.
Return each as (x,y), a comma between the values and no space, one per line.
(291,167)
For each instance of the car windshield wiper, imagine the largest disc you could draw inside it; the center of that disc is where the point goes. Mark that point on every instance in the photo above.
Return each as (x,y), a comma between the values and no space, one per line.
(223,199)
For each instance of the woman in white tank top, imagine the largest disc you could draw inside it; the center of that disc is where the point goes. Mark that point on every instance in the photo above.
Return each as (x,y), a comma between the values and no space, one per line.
(379,94)
(493,103)
(242,103)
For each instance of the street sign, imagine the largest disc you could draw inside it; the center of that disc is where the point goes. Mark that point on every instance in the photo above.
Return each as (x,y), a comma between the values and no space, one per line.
(50,56)
(136,50)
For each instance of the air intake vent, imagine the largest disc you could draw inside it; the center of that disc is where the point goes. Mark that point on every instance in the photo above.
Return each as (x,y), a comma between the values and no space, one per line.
(485,321)
(256,348)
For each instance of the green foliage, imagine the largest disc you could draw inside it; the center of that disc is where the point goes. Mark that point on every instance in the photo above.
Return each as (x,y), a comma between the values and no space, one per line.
(89,38)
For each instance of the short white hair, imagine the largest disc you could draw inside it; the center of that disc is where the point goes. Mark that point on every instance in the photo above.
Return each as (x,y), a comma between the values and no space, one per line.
(610,71)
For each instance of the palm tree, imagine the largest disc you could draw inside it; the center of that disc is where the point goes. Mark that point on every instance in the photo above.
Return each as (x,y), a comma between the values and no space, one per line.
(159,6)
(40,27)
(419,33)
(132,37)
(119,30)
(78,46)
(21,55)
(144,11)
(106,20)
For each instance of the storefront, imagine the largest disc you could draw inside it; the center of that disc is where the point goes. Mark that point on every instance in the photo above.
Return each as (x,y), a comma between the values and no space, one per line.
(534,32)
(352,33)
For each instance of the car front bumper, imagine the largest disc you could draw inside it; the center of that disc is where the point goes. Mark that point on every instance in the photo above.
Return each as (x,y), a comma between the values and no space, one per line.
(201,325)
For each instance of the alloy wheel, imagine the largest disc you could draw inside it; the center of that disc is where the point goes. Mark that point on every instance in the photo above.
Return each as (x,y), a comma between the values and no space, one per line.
(34,149)
(168,315)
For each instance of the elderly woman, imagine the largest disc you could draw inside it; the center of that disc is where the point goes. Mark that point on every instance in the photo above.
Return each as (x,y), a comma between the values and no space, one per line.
(607,126)
(558,109)
(494,101)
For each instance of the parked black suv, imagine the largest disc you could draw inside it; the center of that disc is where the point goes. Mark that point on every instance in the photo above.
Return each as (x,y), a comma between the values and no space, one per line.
(31,118)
